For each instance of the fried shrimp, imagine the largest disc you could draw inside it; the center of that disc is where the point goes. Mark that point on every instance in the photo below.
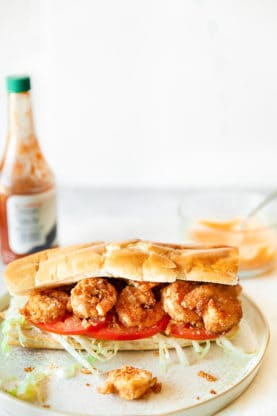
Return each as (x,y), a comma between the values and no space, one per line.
(216,306)
(222,314)
(130,383)
(139,308)
(201,294)
(93,298)
(172,297)
(144,286)
(46,306)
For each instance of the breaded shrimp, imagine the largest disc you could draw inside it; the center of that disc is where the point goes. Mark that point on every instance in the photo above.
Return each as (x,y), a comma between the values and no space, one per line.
(93,298)
(217,304)
(172,297)
(46,306)
(137,307)
(130,383)
(222,314)
(144,286)
(201,294)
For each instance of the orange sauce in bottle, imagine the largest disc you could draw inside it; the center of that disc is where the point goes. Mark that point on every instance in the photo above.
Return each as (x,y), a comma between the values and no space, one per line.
(27,185)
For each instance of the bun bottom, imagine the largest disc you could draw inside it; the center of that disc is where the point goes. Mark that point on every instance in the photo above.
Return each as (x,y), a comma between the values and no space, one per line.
(34,338)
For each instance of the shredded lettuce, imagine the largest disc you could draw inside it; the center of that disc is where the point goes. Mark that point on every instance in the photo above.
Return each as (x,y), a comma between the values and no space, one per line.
(93,350)
(69,371)
(199,350)
(4,345)
(97,349)
(13,319)
(179,351)
(164,356)
(91,360)
(32,388)
(229,347)
(79,356)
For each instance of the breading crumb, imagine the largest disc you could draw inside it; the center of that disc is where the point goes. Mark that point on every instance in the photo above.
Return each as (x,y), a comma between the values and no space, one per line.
(197,398)
(28,369)
(157,387)
(130,383)
(87,384)
(213,392)
(207,376)
(85,371)
(46,406)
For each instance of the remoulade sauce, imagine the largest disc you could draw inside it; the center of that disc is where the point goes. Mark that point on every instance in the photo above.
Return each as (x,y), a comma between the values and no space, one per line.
(256,242)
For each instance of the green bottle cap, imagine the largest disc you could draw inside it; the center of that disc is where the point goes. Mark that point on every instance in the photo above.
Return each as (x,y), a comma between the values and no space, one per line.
(18,83)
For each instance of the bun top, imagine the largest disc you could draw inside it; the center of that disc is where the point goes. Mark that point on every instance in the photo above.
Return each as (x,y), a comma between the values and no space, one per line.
(133,259)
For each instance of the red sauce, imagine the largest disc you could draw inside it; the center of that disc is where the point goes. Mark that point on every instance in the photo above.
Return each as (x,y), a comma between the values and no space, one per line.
(24,170)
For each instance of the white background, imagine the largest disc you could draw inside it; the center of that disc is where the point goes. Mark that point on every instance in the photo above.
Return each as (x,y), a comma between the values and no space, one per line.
(157,93)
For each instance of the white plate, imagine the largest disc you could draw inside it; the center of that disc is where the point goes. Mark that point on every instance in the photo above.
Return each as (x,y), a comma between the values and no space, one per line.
(183,393)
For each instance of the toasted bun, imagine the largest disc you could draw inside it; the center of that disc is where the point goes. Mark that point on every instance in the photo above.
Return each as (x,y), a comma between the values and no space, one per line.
(135,260)
(43,340)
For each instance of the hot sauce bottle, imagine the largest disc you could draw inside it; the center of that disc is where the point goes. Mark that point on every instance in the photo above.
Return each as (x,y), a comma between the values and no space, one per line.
(27,186)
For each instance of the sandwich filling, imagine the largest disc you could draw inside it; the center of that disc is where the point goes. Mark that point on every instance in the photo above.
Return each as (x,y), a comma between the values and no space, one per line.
(120,309)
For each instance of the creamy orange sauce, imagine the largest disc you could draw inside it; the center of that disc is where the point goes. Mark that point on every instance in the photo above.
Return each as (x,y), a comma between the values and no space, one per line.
(256,242)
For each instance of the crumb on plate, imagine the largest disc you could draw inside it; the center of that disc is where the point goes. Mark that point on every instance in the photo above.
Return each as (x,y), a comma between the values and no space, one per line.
(130,383)
(207,376)
(46,406)
(87,384)
(213,392)
(28,369)
(85,371)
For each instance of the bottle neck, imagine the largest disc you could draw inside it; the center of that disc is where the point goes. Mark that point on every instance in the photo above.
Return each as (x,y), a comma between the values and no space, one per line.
(23,168)
(20,123)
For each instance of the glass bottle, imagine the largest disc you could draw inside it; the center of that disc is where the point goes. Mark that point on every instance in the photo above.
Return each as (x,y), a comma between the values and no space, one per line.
(27,186)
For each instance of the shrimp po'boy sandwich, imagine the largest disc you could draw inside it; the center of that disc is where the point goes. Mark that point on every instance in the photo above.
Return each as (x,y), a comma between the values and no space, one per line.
(130,295)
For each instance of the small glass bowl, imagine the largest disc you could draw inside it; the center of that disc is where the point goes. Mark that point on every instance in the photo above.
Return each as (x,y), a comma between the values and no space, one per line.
(215,217)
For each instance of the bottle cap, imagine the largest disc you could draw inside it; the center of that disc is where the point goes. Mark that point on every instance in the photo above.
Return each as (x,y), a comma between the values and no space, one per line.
(17,83)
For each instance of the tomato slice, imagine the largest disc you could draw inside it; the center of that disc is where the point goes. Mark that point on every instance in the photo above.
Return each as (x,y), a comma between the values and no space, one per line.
(181,330)
(118,332)
(107,329)
(72,325)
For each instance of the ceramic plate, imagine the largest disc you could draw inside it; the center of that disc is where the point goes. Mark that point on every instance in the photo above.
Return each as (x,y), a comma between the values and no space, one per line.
(183,391)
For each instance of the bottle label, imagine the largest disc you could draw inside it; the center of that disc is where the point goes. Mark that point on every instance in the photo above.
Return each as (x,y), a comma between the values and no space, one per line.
(31,222)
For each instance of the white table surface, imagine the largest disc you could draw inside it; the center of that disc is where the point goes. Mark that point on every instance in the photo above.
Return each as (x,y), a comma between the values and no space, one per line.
(89,214)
